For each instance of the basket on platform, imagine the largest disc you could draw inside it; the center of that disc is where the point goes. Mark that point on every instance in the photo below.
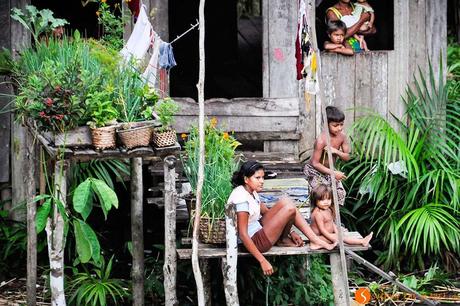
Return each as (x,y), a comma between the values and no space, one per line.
(138,135)
(103,137)
(212,230)
(165,138)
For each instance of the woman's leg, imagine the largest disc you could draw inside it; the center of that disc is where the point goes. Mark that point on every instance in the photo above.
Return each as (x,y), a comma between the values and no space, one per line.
(277,220)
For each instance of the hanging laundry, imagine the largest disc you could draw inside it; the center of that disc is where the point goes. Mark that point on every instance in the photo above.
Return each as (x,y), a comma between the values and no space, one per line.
(166,60)
(150,73)
(306,60)
(140,39)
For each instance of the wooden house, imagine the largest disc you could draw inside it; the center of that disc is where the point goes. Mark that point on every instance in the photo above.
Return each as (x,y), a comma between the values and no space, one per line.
(251,72)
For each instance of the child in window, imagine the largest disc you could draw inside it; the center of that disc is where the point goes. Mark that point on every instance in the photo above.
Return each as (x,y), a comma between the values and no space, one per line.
(323,216)
(317,169)
(360,7)
(336,31)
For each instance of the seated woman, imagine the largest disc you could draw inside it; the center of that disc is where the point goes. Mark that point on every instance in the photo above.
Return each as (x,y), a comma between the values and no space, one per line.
(260,227)
(344,10)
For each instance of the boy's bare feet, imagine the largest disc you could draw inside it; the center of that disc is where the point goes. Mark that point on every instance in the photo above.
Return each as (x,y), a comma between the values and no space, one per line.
(314,246)
(367,239)
(286,242)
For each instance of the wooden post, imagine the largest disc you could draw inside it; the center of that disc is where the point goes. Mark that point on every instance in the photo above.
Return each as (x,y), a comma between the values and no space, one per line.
(170,264)
(340,273)
(137,234)
(32,251)
(230,261)
(23,150)
(205,266)
(340,294)
(199,188)
(55,236)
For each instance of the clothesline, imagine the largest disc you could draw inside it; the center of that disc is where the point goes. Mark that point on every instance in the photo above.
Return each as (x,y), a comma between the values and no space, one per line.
(192,26)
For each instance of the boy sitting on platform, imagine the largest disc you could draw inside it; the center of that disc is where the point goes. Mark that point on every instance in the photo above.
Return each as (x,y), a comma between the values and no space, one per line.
(317,169)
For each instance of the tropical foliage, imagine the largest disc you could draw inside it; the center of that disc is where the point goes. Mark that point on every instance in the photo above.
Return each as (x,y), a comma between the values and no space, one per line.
(220,163)
(409,172)
(297,281)
(96,287)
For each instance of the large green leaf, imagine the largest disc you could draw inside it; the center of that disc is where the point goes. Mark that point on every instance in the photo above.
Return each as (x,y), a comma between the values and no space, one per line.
(82,243)
(106,195)
(82,195)
(42,215)
(94,242)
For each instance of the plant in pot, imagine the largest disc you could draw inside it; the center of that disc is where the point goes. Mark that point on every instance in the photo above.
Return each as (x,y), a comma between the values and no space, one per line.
(134,131)
(52,81)
(220,163)
(165,135)
(103,114)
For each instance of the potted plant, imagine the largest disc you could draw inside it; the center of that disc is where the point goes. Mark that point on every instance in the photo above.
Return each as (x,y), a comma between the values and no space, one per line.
(103,115)
(134,131)
(220,163)
(165,135)
(52,82)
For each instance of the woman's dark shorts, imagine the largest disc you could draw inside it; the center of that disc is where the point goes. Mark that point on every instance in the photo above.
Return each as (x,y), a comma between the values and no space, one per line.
(261,241)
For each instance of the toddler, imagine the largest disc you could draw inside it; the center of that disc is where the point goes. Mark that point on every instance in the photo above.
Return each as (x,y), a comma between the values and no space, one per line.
(323,216)
(362,6)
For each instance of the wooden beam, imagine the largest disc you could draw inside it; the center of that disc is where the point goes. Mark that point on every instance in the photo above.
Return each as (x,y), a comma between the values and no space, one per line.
(388,276)
(211,251)
(170,260)
(252,107)
(137,233)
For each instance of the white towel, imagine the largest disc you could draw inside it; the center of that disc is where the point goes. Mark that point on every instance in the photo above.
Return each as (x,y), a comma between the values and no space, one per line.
(139,41)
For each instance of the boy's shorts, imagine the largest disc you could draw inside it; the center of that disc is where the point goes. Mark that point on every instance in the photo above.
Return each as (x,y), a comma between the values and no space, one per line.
(261,241)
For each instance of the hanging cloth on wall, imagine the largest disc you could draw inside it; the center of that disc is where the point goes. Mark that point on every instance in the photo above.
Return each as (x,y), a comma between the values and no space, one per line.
(306,63)
(140,39)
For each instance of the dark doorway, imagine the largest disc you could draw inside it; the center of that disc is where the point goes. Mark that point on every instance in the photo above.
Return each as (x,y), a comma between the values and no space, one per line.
(384,23)
(233,46)
(81,18)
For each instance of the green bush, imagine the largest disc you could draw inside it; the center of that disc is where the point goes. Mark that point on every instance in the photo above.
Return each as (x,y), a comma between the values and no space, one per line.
(409,176)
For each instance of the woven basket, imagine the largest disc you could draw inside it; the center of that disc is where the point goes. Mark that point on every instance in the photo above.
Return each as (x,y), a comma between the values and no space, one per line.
(212,230)
(138,136)
(164,139)
(103,137)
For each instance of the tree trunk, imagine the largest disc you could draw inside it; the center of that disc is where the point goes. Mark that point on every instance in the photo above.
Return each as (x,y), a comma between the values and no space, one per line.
(170,264)
(137,234)
(55,236)
(196,222)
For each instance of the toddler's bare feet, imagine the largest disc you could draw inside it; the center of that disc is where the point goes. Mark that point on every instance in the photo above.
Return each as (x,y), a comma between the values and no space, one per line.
(286,242)
(314,246)
(330,246)
(367,239)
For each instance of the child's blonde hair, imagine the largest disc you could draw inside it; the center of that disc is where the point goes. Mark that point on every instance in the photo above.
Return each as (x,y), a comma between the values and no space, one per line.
(321,192)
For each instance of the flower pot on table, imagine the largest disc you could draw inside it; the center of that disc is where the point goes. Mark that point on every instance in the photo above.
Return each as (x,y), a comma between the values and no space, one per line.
(138,134)
(164,138)
(104,137)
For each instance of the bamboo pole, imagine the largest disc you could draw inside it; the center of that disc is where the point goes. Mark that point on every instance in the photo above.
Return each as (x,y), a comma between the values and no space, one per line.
(170,263)
(196,222)
(341,291)
(137,233)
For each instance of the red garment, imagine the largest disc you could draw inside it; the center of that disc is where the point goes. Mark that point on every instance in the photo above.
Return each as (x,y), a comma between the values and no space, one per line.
(134,7)
(298,56)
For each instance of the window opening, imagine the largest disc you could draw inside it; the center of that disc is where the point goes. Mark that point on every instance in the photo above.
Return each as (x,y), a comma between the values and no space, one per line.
(383,39)
(233,49)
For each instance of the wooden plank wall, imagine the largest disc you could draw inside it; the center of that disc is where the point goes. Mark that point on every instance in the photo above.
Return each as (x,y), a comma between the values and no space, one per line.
(5,118)
(354,83)
(251,118)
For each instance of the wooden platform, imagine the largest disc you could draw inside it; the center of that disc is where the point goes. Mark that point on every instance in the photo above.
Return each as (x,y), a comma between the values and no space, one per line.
(215,251)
